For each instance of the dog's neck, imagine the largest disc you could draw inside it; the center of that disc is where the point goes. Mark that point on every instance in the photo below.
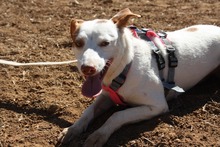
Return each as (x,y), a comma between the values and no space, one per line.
(124,55)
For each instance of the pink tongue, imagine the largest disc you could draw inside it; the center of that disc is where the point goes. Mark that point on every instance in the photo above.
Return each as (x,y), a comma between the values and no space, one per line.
(92,86)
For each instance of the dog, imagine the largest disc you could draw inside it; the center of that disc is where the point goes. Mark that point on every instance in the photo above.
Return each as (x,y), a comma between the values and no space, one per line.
(105,47)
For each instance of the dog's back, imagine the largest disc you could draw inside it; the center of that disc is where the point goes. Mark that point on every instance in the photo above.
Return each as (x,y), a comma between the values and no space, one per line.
(198,52)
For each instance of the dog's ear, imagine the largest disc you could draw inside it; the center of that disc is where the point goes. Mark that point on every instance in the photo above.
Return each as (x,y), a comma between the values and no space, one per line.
(74,27)
(122,17)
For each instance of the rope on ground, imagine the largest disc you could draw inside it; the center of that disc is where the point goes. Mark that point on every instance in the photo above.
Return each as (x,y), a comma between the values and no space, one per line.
(6,62)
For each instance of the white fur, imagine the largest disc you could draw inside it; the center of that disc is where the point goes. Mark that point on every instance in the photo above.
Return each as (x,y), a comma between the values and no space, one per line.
(198,53)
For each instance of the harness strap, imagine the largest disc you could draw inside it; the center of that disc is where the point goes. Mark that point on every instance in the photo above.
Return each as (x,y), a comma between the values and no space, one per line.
(115,97)
(173,62)
(116,84)
(160,60)
(172,59)
(145,34)
(157,52)
(119,80)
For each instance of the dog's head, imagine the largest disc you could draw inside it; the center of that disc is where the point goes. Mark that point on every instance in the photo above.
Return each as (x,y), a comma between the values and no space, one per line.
(96,46)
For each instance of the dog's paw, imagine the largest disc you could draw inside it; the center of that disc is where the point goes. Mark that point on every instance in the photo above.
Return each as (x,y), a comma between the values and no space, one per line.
(67,135)
(97,139)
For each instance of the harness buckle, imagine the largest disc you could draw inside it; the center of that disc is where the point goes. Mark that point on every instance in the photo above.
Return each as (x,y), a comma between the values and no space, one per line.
(170,49)
(118,82)
(162,34)
(145,29)
(160,59)
(173,62)
(120,79)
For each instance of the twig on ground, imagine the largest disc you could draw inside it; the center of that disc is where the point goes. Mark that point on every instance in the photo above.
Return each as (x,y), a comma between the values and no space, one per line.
(149,140)
(206,122)
(204,108)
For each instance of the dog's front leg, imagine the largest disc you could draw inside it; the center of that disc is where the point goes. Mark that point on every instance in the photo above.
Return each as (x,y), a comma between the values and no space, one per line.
(118,119)
(102,103)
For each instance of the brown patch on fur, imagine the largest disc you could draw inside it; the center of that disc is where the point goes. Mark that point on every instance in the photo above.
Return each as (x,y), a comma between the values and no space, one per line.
(74,28)
(192,29)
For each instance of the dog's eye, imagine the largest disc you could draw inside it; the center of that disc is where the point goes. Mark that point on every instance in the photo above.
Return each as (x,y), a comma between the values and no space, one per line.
(79,43)
(104,43)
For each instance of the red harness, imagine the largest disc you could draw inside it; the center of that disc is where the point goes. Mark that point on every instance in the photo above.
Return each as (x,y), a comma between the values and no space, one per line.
(115,86)
(116,98)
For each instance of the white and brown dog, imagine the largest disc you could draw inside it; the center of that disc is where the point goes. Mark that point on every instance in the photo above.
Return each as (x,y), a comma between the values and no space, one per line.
(104,48)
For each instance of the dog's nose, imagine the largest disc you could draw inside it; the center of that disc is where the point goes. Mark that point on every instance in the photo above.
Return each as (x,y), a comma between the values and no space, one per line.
(88,70)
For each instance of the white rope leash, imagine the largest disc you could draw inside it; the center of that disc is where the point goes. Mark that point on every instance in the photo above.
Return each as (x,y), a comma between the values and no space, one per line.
(6,62)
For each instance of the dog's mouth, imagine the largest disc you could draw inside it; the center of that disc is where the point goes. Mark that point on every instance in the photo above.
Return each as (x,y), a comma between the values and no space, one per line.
(92,86)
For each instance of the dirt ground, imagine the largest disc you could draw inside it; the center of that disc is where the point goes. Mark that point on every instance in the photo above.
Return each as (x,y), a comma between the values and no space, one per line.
(37,102)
